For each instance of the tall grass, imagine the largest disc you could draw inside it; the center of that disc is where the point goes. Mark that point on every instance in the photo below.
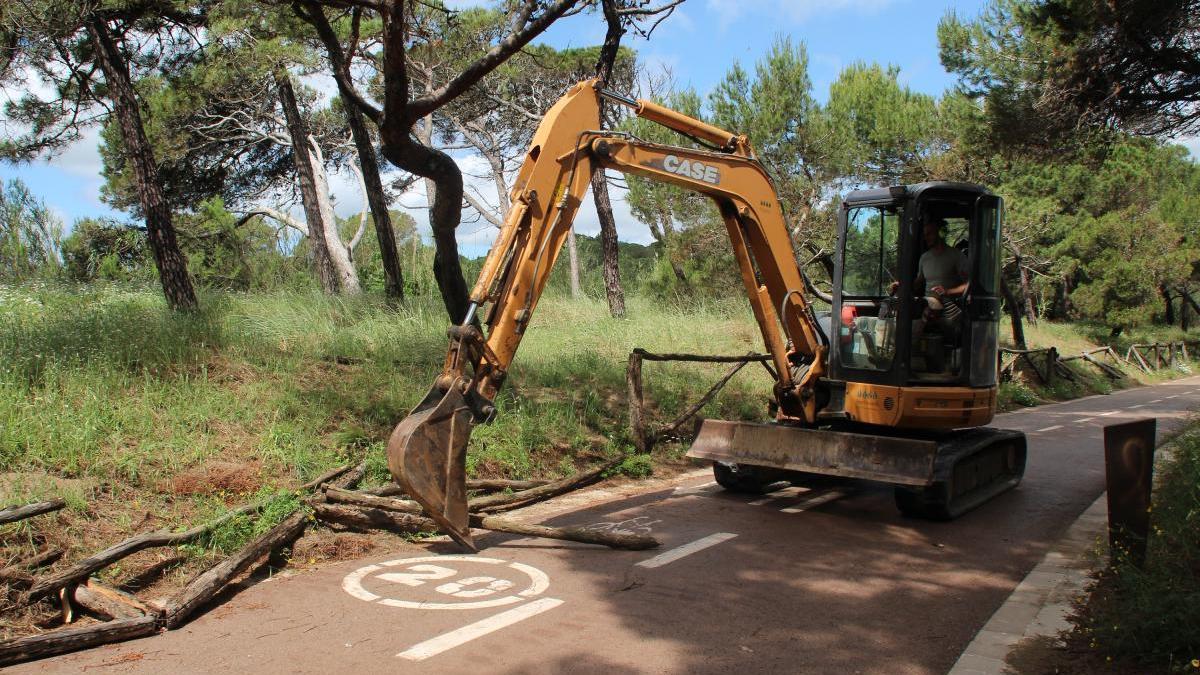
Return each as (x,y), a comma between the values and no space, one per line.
(108,383)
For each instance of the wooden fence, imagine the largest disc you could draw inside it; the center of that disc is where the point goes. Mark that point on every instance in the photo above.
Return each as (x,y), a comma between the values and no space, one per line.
(645,439)
(1047,365)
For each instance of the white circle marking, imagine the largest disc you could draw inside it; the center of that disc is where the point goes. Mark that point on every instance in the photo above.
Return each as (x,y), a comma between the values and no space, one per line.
(419,573)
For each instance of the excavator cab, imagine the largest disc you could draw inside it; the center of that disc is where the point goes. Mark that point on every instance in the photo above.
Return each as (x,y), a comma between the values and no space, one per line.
(902,337)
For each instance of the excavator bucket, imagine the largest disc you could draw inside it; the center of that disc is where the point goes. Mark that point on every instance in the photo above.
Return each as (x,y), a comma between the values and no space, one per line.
(427,455)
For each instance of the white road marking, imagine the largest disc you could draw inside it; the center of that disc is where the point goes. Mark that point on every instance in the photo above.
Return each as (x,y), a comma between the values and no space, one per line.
(461,636)
(1172,396)
(1110,412)
(686,550)
(772,496)
(710,486)
(814,502)
(1157,400)
(415,572)
(1135,407)
(1056,426)
(1086,419)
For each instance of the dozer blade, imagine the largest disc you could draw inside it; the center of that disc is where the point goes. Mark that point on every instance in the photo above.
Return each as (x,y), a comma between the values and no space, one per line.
(905,461)
(427,455)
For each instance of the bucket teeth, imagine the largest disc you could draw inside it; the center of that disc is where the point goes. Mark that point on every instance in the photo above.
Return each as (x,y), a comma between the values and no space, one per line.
(427,455)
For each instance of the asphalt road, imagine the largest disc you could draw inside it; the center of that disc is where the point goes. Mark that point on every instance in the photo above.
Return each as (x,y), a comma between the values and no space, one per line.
(829,580)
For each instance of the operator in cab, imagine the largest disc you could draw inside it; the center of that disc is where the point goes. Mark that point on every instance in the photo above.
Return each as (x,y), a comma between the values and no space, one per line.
(941,279)
(942,269)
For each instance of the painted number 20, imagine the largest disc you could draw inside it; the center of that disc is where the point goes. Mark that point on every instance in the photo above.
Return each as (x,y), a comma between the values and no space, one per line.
(417,575)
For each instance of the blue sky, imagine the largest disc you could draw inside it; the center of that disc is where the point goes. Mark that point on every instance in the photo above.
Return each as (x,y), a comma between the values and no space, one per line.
(698,43)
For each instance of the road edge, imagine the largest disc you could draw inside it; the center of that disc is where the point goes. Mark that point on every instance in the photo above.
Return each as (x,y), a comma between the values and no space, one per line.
(1040,605)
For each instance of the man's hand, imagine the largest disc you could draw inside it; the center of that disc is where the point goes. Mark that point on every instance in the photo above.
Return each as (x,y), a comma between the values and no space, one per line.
(938,291)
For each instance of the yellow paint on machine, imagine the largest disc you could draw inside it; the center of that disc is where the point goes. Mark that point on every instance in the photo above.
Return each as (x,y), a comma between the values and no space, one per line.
(920,407)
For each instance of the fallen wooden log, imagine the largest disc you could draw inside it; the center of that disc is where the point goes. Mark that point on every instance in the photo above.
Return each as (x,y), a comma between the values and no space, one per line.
(341,496)
(17,574)
(496,484)
(507,501)
(325,477)
(94,563)
(41,559)
(351,478)
(107,602)
(74,639)
(622,540)
(14,513)
(1111,371)
(206,586)
(385,490)
(365,518)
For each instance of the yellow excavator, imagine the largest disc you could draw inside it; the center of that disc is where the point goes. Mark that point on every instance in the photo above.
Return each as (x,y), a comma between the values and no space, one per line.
(891,384)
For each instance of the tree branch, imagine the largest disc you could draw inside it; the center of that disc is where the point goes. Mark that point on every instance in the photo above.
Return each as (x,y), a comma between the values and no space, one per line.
(473,73)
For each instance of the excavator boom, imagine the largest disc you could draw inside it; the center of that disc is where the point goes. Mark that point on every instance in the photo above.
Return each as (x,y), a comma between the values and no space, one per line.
(427,451)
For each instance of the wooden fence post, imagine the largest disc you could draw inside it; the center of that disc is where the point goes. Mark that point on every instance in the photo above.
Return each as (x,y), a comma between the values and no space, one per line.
(633,380)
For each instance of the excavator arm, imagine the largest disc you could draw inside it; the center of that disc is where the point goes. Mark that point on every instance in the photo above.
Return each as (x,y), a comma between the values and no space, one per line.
(427,450)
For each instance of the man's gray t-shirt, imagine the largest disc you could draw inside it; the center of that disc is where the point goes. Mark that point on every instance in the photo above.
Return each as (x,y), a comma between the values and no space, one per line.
(947,268)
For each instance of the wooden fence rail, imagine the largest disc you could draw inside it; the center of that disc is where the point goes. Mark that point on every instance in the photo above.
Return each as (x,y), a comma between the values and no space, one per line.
(643,439)
(1047,364)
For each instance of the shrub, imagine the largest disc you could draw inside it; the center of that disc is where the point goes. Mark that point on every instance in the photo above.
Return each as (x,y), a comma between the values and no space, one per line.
(1151,615)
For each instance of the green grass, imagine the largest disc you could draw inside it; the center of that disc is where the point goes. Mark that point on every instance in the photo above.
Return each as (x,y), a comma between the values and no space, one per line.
(122,406)
(1149,616)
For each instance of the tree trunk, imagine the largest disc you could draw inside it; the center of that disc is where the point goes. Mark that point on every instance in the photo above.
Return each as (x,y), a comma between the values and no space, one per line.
(1014,314)
(389,256)
(1167,304)
(1026,292)
(170,260)
(608,225)
(608,245)
(445,213)
(298,131)
(1187,303)
(573,253)
(369,165)
(339,253)
(668,241)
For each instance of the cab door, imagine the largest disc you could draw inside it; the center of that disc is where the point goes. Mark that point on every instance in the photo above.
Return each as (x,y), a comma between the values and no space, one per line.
(868,332)
(983,300)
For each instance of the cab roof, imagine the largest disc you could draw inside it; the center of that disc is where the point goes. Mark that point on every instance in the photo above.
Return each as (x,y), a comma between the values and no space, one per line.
(911,191)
